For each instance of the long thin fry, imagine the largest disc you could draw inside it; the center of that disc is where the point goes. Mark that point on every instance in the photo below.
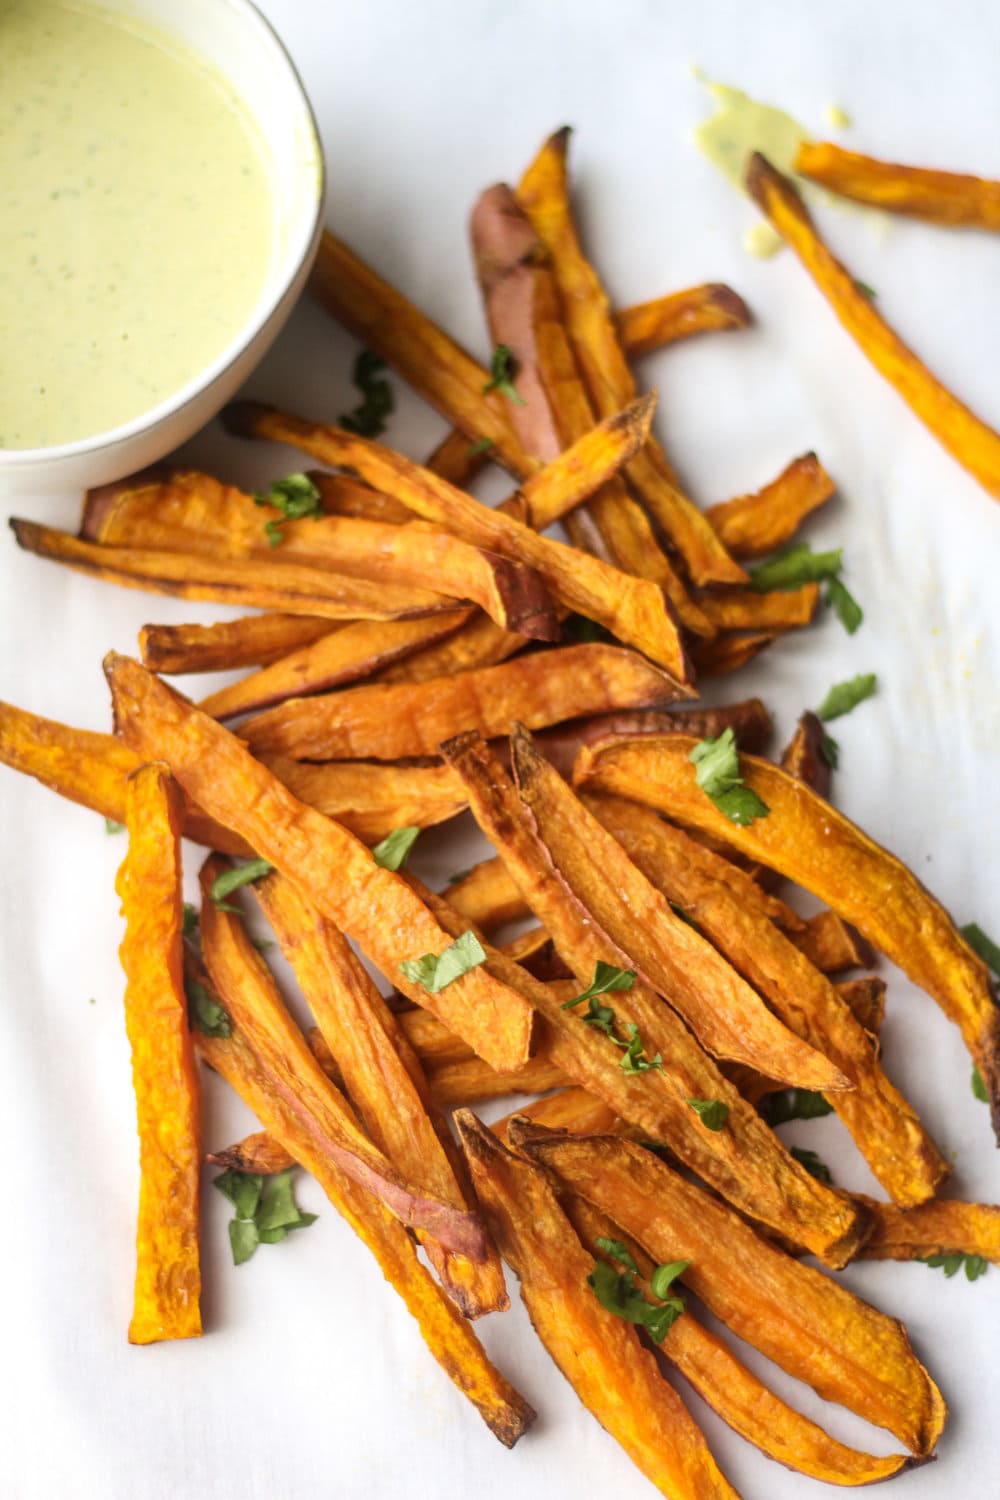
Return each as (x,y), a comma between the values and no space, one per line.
(337,873)
(757,523)
(923,192)
(369,798)
(649,326)
(251,641)
(488,895)
(814,844)
(164,1072)
(946,1226)
(481,643)
(781,610)
(749,721)
(966,437)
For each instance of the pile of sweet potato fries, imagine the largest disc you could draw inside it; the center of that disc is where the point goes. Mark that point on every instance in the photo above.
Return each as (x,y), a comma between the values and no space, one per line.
(422,654)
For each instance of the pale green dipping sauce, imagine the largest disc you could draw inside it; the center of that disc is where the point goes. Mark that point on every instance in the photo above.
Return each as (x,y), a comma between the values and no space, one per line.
(137,220)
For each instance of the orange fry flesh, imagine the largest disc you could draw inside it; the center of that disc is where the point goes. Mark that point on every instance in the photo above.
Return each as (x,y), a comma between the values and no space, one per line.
(478,644)
(781,610)
(729,651)
(334,870)
(753,524)
(965,436)
(831,944)
(809,1324)
(488,896)
(616,1378)
(665,320)
(251,641)
(945,1226)
(940,197)
(164,1073)
(371,798)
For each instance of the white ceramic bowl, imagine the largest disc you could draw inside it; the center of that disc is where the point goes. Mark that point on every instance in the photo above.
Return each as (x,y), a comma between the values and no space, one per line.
(235,40)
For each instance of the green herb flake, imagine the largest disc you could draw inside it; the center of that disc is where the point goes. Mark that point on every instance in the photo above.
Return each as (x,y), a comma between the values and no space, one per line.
(277,1208)
(617,1293)
(975,1266)
(295,496)
(435,970)
(813,1164)
(232,880)
(829,749)
(110,826)
(205,1012)
(635,1059)
(368,419)
(684,916)
(265,1210)
(979,1087)
(502,376)
(664,1276)
(952,1261)
(601,1017)
(713,1113)
(392,852)
(482,446)
(717,772)
(243,1239)
(617,1251)
(844,696)
(844,605)
(243,1189)
(865,289)
(983,945)
(606,978)
(794,1104)
(795,566)
(189,920)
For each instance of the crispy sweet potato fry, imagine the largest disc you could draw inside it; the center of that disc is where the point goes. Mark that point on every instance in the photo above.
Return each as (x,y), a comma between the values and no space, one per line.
(665,320)
(884,1126)
(945,1226)
(832,945)
(488,895)
(369,798)
(635,921)
(333,870)
(448,1335)
(745,1161)
(251,641)
(631,608)
(965,436)
(291,587)
(185,511)
(258,1152)
(164,1072)
(753,524)
(251,997)
(339,495)
(729,651)
(383,1079)
(544,195)
(478,644)
(781,610)
(812,843)
(356,651)
(749,721)
(865,999)
(616,1378)
(735,1393)
(940,197)
(393,722)
(574,1109)
(803,756)
(475,1082)
(805,1321)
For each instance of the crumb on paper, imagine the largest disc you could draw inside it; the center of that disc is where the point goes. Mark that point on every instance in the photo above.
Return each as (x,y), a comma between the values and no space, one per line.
(762,241)
(837,117)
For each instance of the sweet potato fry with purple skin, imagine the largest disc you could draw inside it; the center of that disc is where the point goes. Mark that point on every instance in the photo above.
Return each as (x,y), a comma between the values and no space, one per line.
(753,524)
(749,721)
(330,866)
(633,609)
(729,651)
(803,756)
(965,436)
(615,1376)
(370,798)
(813,844)
(953,198)
(884,1126)
(252,641)
(250,996)
(448,1335)
(544,194)
(809,1324)
(185,511)
(356,651)
(290,587)
(381,722)
(634,920)
(781,610)
(745,1161)
(649,326)
(735,1393)
(831,944)
(164,1071)
(945,1226)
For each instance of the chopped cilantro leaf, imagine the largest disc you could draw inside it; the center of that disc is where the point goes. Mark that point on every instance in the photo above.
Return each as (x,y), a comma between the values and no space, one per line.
(617,1251)
(830,751)
(392,852)
(813,1164)
(717,764)
(435,970)
(189,923)
(983,945)
(794,1104)
(205,1012)
(110,826)
(617,1293)
(713,1113)
(295,496)
(265,1210)
(635,1059)
(844,696)
(502,376)
(606,978)
(231,880)
(979,1087)
(795,566)
(377,400)
(844,605)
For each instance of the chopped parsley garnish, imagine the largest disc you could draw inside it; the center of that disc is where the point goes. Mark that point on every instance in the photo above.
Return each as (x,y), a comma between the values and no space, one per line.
(482,446)
(110,826)
(377,401)
(844,605)
(232,880)
(813,1164)
(585,631)
(295,496)
(205,1012)
(951,1262)
(844,696)
(618,1252)
(635,1059)
(434,970)
(798,565)
(979,1087)
(392,852)
(502,375)
(794,1104)
(679,911)
(189,920)
(717,765)
(865,289)
(617,1293)
(830,751)
(266,1211)
(602,1018)
(713,1113)
(983,945)
(606,978)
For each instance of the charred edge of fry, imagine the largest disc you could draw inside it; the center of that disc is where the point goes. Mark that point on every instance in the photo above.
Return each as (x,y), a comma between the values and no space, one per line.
(729,651)
(179,649)
(803,756)
(649,326)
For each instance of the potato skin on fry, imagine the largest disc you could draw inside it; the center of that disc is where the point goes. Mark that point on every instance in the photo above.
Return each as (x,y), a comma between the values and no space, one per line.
(164,1072)
(922,192)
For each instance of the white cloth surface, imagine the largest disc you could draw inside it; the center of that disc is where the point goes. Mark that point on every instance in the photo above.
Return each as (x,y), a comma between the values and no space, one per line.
(311,1380)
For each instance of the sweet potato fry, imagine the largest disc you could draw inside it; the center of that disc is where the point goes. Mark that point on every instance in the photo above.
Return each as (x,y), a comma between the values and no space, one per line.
(544,195)
(945,1226)
(649,326)
(476,645)
(574,1109)
(968,439)
(803,756)
(339,495)
(334,871)
(251,641)
(353,652)
(922,192)
(433,1043)
(753,524)
(729,651)
(291,587)
(164,1072)
(448,1335)
(258,1152)
(185,511)
(383,1079)
(614,1375)
(372,799)
(735,1393)
(744,1161)
(865,998)
(249,994)
(749,721)
(488,895)
(781,610)
(884,1126)
(809,1324)
(631,608)
(812,843)
(832,945)
(475,1082)
(635,921)
(404,720)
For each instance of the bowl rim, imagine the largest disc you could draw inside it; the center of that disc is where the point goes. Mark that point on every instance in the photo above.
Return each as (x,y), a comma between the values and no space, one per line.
(299,251)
